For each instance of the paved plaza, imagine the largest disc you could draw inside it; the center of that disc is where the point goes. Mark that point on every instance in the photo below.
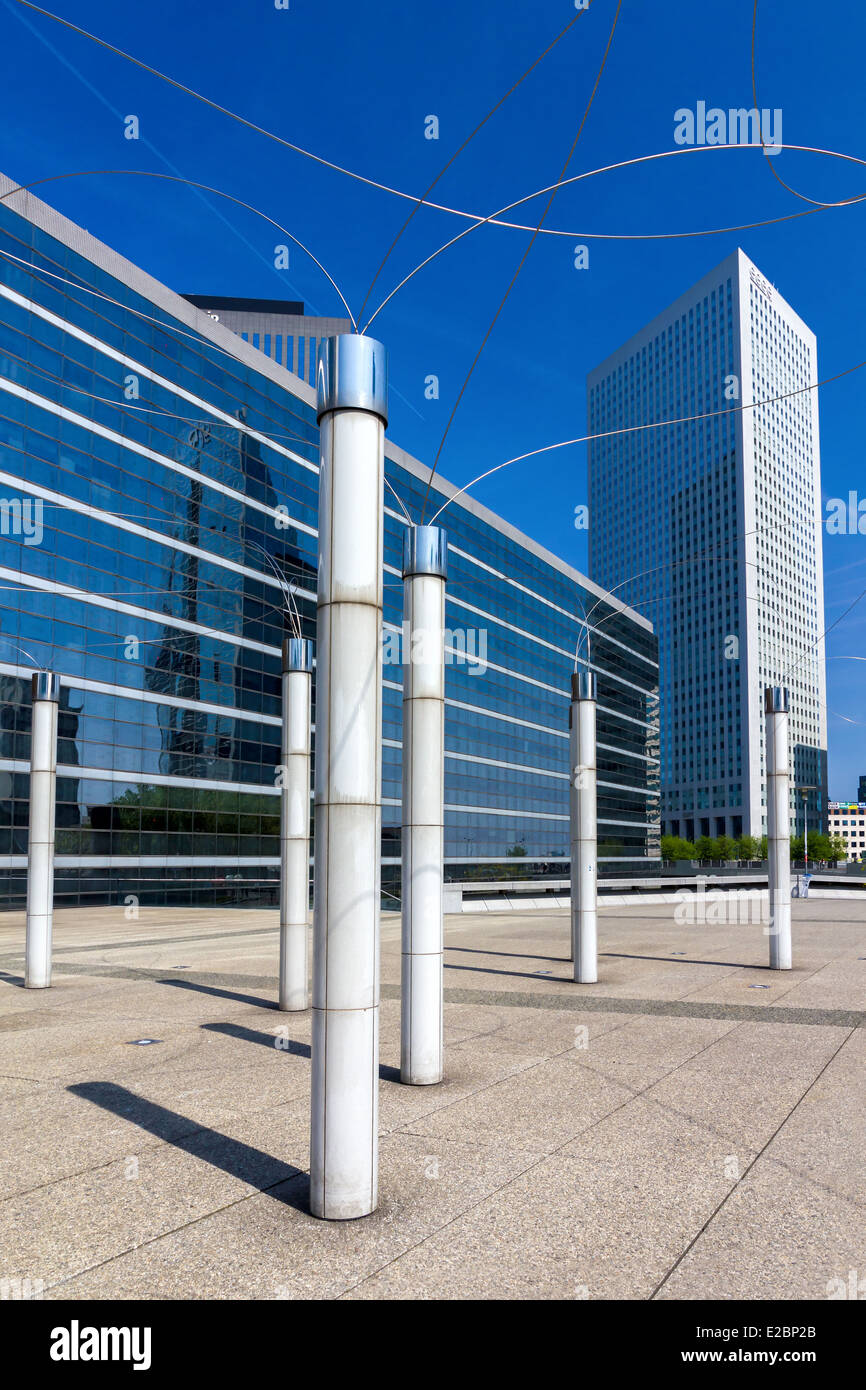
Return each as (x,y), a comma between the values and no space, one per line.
(691,1127)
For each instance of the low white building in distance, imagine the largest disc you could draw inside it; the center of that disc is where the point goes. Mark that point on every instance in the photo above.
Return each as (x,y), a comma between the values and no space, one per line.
(848,819)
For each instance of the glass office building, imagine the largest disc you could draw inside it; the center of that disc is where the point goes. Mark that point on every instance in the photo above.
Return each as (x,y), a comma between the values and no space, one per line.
(712,526)
(158,478)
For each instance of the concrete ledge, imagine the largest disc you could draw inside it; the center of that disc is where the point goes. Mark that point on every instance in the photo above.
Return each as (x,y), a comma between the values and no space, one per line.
(640,899)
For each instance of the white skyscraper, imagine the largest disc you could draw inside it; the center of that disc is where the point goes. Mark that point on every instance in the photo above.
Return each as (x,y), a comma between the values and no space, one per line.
(713,529)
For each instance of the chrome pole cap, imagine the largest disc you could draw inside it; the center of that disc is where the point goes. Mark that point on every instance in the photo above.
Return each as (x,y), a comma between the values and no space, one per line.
(777,700)
(425,551)
(352,374)
(45,685)
(584,685)
(297,654)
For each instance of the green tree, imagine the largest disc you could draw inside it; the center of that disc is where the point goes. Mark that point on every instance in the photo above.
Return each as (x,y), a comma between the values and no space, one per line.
(748,847)
(726,847)
(819,846)
(674,847)
(838,848)
(705,848)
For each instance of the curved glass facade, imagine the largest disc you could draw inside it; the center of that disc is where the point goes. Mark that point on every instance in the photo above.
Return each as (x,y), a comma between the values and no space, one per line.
(153,471)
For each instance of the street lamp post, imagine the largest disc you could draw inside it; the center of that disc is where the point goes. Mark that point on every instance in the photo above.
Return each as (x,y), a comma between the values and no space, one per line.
(804,792)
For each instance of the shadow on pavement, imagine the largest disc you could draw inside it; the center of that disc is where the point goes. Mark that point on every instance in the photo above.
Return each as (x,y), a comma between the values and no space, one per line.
(221,993)
(279,1044)
(514,974)
(262,1171)
(514,955)
(687,960)
(271,1040)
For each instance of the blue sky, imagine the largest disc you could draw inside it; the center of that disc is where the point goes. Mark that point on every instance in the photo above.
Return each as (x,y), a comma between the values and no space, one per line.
(354,83)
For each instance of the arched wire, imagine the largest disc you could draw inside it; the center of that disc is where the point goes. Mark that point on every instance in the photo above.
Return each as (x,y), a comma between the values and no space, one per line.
(532,453)
(844,656)
(478,219)
(641,574)
(223,110)
(297,149)
(758,599)
(400,501)
(523,259)
(457,153)
(164,324)
(617,612)
(168,414)
(18,648)
(193,183)
(242,120)
(816,203)
(818,640)
(291,607)
(643,602)
(586,629)
(287,587)
(493,219)
(649,425)
(201,420)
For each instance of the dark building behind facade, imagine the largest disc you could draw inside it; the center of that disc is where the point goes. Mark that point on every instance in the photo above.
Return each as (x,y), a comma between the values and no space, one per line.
(277,327)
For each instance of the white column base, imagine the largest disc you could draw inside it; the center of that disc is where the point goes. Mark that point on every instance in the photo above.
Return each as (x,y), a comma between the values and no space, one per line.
(344,1181)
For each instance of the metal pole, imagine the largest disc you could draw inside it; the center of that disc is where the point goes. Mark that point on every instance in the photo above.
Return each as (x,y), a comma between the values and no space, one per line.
(40,845)
(295,824)
(352,410)
(584,828)
(425,555)
(806,831)
(776,707)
